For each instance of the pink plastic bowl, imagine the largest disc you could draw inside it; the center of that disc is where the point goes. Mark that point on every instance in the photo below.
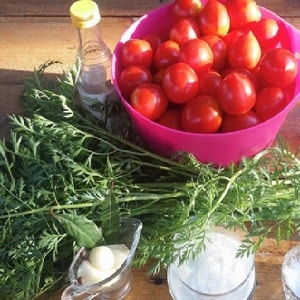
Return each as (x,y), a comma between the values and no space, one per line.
(220,149)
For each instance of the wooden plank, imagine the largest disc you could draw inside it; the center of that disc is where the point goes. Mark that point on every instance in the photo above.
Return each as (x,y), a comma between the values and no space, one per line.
(10,100)
(61,8)
(268,268)
(28,42)
(10,103)
(285,8)
(289,132)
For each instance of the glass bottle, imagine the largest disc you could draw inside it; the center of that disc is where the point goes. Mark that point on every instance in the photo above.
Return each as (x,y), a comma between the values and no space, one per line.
(96,91)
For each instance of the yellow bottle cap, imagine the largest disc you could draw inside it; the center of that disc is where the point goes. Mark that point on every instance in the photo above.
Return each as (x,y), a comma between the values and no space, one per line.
(84,13)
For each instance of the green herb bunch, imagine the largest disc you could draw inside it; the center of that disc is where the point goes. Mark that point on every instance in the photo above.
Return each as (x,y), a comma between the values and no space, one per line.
(63,175)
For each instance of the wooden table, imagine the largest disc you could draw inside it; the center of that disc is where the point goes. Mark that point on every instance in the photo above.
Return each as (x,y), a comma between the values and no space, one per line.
(33,31)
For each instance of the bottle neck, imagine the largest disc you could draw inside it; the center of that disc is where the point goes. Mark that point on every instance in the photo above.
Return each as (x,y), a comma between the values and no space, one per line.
(91,46)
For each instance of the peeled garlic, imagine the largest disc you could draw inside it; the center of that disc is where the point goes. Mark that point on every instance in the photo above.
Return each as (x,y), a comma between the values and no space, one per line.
(120,253)
(91,275)
(103,261)
(102,258)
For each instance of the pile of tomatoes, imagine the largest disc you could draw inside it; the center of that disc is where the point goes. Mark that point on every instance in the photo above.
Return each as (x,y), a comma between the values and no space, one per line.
(222,68)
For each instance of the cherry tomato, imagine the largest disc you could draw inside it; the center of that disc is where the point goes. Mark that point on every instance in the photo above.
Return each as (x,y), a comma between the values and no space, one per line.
(197,54)
(180,83)
(136,52)
(183,30)
(201,115)
(266,32)
(231,36)
(185,8)
(239,122)
(242,12)
(158,76)
(214,19)
(251,75)
(131,77)
(269,102)
(279,67)
(236,93)
(166,54)
(244,52)
(226,71)
(149,100)
(219,50)
(154,40)
(171,118)
(209,82)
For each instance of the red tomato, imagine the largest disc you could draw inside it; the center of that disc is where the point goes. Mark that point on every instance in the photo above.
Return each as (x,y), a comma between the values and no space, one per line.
(269,102)
(239,122)
(158,76)
(209,83)
(244,52)
(154,40)
(201,115)
(219,50)
(171,118)
(183,30)
(236,94)
(185,8)
(131,77)
(136,52)
(266,32)
(149,100)
(242,12)
(214,19)
(197,54)
(226,71)
(231,36)
(166,54)
(180,83)
(251,75)
(279,67)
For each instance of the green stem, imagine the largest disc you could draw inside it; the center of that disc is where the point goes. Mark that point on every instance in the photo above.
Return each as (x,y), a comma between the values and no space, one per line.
(139,150)
(225,191)
(49,209)
(153,198)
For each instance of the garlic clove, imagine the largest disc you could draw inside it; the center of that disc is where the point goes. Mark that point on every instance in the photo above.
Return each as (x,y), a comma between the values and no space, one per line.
(120,252)
(88,274)
(102,258)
